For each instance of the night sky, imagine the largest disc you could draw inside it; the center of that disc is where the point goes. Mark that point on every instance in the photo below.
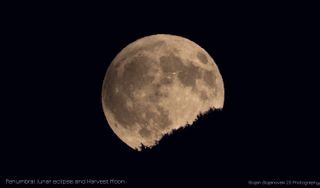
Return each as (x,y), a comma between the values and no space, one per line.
(55,59)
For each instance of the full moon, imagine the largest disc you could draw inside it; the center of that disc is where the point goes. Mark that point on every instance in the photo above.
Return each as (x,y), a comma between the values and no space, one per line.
(157,84)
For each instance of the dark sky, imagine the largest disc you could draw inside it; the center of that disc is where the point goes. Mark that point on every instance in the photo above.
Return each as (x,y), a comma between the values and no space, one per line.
(55,59)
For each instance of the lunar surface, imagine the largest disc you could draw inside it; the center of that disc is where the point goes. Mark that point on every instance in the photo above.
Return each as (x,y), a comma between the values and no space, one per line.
(157,84)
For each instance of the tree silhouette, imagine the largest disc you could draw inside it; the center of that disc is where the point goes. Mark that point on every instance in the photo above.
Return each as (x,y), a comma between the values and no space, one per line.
(187,135)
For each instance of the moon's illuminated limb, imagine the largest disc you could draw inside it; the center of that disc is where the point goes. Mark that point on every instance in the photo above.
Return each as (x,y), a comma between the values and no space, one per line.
(156,84)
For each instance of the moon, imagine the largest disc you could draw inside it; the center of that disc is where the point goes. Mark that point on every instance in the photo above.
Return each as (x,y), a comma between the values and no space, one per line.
(157,84)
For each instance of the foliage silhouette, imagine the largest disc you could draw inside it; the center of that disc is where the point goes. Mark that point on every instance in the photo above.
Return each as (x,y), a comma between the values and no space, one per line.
(188,136)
